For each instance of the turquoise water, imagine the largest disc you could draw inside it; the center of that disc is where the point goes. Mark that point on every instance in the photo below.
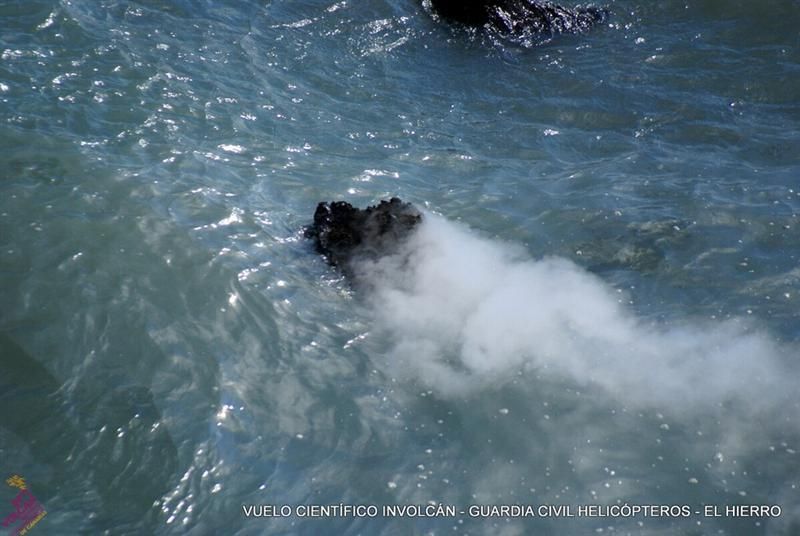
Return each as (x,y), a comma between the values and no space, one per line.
(172,349)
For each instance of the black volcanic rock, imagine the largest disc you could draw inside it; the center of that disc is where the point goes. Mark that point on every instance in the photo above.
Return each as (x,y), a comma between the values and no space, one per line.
(519,17)
(343,233)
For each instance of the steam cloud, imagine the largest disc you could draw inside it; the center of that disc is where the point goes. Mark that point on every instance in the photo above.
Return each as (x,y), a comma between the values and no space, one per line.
(463,312)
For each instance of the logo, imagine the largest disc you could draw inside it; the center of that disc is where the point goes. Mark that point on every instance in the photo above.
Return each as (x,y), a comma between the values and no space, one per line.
(27,509)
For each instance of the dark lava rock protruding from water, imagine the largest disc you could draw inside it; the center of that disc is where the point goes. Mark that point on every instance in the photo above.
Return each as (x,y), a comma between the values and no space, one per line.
(520,17)
(343,233)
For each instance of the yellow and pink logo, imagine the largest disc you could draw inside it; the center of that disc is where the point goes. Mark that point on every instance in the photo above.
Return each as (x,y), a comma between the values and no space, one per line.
(27,509)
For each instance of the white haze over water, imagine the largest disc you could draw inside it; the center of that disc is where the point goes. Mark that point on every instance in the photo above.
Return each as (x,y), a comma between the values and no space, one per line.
(464,313)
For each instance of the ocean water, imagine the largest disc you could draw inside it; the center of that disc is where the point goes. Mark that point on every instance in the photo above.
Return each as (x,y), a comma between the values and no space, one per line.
(601,308)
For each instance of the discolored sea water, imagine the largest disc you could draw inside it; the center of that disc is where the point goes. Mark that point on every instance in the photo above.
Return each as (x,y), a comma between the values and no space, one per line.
(602,308)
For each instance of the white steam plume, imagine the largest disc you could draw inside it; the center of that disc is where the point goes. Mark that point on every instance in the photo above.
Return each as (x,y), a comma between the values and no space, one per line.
(463,312)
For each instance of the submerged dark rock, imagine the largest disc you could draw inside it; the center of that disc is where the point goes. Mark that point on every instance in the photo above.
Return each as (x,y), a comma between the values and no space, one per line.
(519,17)
(343,233)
